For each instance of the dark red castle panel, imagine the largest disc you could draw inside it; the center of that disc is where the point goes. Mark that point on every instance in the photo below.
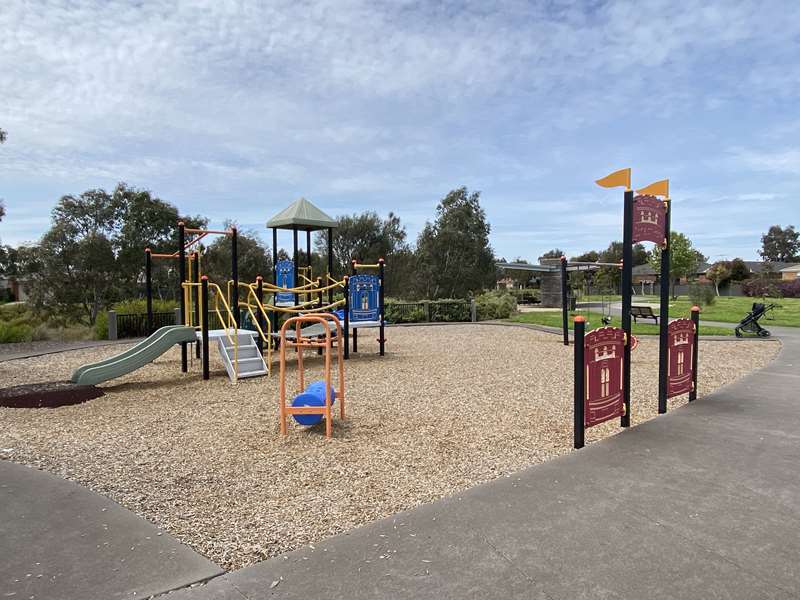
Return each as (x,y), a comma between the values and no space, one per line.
(649,219)
(602,360)
(680,340)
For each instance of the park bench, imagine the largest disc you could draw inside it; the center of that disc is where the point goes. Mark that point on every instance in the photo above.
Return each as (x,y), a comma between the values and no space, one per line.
(644,312)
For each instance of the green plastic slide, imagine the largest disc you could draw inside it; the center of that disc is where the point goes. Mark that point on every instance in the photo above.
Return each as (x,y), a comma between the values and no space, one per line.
(134,358)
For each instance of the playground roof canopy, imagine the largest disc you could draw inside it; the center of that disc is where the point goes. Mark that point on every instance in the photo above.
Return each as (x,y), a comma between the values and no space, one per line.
(303,215)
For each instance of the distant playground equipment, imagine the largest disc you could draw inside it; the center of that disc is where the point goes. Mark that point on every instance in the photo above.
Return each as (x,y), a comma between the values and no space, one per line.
(750,323)
(263,305)
(314,402)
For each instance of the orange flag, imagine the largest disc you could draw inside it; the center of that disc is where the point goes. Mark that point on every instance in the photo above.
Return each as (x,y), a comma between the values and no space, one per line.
(616,179)
(659,188)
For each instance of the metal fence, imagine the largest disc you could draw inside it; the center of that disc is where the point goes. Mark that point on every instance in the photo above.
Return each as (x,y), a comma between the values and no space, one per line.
(135,325)
(429,312)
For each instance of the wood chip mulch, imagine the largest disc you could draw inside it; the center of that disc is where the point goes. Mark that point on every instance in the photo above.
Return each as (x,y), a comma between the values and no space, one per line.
(445,409)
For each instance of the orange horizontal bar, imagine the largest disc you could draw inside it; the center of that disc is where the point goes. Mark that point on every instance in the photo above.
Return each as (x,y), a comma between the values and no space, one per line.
(306,410)
(205,231)
(154,255)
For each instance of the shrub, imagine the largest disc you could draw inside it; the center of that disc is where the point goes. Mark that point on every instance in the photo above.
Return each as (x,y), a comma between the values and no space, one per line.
(760,287)
(10,334)
(411,314)
(496,304)
(702,294)
(790,289)
(137,306)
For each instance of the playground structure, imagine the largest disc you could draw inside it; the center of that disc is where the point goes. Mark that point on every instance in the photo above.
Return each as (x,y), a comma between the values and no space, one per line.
(315,402)
(603,356)
(294,291)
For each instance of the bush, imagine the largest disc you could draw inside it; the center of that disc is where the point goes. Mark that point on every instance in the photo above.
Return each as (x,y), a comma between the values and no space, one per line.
(761,287)
(10,333)
(790,289)
(408,314)
(702,294)
(496,304)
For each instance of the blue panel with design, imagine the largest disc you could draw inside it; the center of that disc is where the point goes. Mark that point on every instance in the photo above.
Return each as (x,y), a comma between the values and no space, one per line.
(284,275)
(364,291)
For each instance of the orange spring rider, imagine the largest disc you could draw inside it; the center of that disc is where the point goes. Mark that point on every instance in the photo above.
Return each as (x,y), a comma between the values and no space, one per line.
(300,343)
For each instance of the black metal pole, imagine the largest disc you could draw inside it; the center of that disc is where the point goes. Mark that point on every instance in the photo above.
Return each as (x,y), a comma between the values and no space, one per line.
(148,285)
(308,247)
(330,262)
(580,383)
(355,329)
(627,277)
(564,303)
(260,315)
(663,328)
(295,257)
(381,292)
(275,273)
(695,352)
(346,317)
(182,278)
(204,322)
(196,294)
(235,275)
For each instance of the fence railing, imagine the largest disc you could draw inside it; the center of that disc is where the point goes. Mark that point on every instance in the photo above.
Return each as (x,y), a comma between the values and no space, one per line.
(429,312)
(135,324)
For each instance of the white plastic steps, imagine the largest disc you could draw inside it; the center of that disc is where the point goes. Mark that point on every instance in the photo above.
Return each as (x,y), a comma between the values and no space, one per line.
(247,357)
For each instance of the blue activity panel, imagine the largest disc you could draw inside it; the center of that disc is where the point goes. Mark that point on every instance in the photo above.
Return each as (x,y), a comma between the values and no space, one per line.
(284,277)
(364,290)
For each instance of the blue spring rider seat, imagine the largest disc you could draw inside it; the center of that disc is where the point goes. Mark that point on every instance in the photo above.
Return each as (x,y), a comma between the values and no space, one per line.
(313,395)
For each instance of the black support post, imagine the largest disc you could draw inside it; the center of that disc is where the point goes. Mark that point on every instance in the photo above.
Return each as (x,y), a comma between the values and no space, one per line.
(580,384)
(294,260)
(182,278)
(696,352)
(355,329)
(627,277)
(308,247)
(196,294)
(204,322)
(148,285)
(235,276)
(564,301)
(330,262)
(663,323)
(381,292)
(346,317)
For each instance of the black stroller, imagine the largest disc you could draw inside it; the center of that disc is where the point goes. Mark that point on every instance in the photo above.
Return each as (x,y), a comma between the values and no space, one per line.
(750,323)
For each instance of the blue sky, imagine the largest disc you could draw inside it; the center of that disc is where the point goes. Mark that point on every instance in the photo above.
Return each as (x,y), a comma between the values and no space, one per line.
(234,109)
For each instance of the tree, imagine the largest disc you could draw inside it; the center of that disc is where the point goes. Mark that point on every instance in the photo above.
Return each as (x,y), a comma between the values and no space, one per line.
(591,256)
(684,259)
(739,270)
(3,136)
(364,237)
(453,252)
(253,259)
(719,273)
(554,253)
(780,244)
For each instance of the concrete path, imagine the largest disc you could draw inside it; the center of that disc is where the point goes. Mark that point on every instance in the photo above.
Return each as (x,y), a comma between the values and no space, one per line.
(703,502)
(60,541)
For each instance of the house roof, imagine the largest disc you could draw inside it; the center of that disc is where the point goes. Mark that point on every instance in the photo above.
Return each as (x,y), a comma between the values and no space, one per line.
(301,214)
(794,268)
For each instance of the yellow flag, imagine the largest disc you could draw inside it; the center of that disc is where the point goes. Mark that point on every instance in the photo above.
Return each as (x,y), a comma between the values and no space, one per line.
(659,188)
(616,179)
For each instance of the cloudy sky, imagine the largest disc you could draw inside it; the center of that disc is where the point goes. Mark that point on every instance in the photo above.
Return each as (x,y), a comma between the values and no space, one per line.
(233,109)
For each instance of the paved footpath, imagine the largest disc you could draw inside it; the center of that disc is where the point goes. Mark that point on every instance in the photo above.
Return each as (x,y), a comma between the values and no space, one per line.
(703,502)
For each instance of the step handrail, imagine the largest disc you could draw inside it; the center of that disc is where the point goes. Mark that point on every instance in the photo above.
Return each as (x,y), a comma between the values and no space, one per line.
(225,326)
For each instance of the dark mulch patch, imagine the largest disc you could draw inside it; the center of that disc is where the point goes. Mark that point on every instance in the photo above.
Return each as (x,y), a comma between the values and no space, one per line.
(48,394)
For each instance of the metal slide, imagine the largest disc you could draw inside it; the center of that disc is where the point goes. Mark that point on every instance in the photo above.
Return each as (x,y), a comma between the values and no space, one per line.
(134,358)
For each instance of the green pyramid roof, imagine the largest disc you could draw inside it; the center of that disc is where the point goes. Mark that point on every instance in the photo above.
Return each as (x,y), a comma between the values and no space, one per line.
(303,215)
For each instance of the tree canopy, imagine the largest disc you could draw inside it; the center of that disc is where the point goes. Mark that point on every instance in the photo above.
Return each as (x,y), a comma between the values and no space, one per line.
(453,253)
(780,244)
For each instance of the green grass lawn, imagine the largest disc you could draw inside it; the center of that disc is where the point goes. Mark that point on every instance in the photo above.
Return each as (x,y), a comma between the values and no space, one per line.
(725,309)
(553,319)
